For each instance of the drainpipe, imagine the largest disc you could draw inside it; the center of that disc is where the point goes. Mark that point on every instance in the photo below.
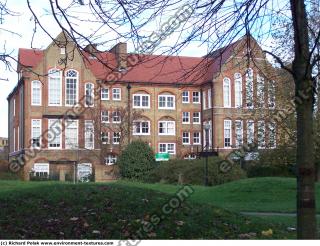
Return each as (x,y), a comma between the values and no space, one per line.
(129,113)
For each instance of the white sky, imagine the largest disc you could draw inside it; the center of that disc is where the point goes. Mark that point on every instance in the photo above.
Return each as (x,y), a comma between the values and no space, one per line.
(23,24)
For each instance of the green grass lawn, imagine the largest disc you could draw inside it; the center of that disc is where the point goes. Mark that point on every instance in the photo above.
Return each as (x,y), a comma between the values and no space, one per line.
(51,210)
(270,194)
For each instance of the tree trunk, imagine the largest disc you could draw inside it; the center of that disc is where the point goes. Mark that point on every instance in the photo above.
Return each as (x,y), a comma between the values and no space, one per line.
(306,213)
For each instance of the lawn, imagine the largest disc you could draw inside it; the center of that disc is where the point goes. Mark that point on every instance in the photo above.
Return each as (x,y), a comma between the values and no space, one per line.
(50,210)
(270,194)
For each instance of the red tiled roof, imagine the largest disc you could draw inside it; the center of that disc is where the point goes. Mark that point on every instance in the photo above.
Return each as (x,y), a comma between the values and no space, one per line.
(29,57)
(149,68)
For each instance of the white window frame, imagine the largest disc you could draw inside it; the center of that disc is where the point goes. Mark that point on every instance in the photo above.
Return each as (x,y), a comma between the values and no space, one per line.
(199,138)
(50,73)
(105,135)
(226,92)
(196,96)
(237,90)
(166,147)
(115,93)
(18,138)
(166,123)
(103,116)
(185,116)
(238,132)
(92,94)
(58,124)
(271,94)
(139,124)
(33,92)
(70,125)
(261,134)
(140,100)
(199,117)
(250,131)
(249,88)
(227,125)
(77,86)
(116,137)
(87,132)
(118,115)
(32,132)
(272,128)
(185,136)
(41,168)
(260,91)
(185,98)
(110,159)
(166,102)
(104,95)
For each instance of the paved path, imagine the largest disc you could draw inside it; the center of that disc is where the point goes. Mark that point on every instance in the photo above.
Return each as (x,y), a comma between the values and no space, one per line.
(271,214)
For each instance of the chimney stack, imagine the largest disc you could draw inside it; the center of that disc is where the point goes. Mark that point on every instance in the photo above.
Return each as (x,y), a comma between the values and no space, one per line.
(120,50)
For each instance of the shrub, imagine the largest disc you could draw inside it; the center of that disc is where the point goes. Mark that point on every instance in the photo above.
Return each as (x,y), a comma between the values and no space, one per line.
(136,160)
(274,162)
(192,172)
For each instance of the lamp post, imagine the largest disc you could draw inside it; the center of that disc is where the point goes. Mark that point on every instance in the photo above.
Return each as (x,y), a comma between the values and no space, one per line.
(206,128)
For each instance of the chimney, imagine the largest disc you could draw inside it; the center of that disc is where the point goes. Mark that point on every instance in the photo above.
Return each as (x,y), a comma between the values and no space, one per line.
(91,48)
(120,50)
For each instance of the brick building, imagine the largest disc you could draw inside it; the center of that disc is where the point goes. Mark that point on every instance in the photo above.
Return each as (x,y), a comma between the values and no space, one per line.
(75,108)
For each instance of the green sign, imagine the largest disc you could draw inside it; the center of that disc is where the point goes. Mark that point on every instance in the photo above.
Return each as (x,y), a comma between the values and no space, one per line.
(162,157)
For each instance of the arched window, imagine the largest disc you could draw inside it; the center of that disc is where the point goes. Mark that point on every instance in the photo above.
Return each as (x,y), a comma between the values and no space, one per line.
(54,87)
(89,93)
(36,93)
(249,88)
(238,90)
(71,87)
(226,93)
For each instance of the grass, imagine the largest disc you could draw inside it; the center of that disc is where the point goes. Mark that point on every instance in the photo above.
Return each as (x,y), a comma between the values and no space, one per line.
(51,210)
(270,194)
